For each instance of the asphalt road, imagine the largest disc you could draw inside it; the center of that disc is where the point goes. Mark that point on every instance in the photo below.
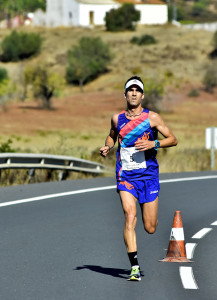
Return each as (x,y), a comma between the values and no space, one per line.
(69,245)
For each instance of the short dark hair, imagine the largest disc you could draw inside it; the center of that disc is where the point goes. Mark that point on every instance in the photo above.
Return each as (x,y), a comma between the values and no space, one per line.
(132,78)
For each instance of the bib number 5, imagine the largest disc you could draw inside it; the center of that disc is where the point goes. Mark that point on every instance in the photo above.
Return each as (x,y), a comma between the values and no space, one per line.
(132,159)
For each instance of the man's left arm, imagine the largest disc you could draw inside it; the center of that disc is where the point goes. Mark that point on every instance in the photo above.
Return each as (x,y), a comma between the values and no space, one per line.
(169,138)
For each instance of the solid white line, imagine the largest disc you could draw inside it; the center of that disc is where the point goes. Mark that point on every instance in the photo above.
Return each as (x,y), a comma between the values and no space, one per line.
(57,195)
(94,190)
(190,247)
(187,278)
(214,223)
(200,234)
(188,179)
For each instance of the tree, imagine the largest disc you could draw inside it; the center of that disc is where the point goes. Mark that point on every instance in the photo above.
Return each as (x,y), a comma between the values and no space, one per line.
(123,18)
(7,90)
(213,53)
(20,45)
(153,91)
(11,8)
(210,77)
(3,74)
(44,83)
(87,60)
(21,6)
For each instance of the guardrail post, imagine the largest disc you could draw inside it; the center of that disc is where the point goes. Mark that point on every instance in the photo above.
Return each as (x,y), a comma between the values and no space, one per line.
(31,173)
(62,175)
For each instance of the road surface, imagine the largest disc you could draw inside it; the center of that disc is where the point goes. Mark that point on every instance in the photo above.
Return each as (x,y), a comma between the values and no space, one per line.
(63,240)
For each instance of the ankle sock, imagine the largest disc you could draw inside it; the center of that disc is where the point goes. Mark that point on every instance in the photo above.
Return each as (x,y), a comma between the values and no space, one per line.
(133,258)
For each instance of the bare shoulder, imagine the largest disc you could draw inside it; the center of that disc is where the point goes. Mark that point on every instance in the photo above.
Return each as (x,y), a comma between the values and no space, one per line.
(114,120)
(155,119)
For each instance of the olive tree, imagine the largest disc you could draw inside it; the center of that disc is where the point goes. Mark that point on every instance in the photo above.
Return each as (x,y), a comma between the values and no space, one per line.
(87,60)
(44,83)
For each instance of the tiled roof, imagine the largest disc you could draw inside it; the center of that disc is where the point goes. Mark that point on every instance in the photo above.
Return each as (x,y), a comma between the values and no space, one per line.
(121,1)
(97,1)
(141,1)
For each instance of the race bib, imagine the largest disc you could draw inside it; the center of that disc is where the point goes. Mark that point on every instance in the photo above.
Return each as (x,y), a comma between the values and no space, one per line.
(132,159)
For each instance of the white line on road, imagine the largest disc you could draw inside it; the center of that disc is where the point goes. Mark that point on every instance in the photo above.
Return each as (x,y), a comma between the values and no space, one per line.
(190,247)
(94,190)
(214,223)
(201,233)
(187,278)
(57,195)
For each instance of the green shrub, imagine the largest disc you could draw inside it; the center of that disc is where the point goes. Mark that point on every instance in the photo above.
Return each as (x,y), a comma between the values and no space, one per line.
(193,93)
(153,92)
(87,60)
(198,9)
(210,77)
(18,46)
(3,74)
(145,39)
(6,147)
(123,18)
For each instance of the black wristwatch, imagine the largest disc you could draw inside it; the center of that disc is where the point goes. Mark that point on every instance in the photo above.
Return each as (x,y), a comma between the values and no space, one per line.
(157,144)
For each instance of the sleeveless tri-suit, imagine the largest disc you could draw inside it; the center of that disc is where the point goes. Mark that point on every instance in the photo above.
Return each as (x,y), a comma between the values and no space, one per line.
(137,171)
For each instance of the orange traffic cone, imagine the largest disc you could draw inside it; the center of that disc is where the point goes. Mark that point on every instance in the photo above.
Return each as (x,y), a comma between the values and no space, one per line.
(176,251)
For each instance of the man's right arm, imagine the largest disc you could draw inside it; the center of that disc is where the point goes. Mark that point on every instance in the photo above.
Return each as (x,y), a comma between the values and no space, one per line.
(111,138)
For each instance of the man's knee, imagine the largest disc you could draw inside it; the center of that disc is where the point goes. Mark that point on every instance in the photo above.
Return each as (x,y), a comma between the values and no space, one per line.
(151,227)
(130,220)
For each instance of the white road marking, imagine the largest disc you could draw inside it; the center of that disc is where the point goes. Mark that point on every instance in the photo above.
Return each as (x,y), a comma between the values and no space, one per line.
(188,179)
(190,247)
(95,189)
(57,195)
(201,233)
(214,223)
(187,278)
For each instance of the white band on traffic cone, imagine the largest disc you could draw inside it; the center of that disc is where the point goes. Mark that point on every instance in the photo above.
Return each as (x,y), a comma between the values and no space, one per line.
(177,234)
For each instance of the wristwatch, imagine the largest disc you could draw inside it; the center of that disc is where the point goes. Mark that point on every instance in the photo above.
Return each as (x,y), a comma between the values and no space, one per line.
(157,144)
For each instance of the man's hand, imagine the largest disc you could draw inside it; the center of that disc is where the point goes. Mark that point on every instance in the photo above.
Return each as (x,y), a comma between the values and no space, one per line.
(143,145)
(104,151)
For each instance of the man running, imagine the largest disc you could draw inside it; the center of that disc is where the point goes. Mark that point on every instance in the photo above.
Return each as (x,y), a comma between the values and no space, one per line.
(137,169)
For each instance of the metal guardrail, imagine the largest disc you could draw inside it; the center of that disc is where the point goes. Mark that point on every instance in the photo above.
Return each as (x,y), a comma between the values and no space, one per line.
(53,162)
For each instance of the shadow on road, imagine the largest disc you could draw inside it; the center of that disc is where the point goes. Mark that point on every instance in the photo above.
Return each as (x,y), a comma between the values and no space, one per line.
(121,273)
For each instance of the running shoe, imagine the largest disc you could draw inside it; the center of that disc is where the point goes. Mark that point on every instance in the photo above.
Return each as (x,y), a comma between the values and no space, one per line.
(135,274)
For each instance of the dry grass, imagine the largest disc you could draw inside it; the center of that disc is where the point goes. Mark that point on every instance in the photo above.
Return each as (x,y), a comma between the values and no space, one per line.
(179,51)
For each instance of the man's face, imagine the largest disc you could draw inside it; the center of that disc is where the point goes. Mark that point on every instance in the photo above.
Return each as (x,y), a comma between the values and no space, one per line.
(134,96)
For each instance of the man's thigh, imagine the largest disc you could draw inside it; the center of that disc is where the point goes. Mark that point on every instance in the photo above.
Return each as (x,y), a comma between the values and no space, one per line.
(150,211)
(128,202)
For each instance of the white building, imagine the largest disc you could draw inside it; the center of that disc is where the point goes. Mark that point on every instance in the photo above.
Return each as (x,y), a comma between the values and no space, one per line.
(92,12)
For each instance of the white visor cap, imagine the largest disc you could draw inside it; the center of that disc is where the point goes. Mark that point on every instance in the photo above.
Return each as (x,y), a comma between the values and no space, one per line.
(134,82)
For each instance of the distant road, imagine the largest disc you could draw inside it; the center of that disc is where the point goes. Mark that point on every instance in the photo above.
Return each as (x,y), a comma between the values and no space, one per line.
(63,240)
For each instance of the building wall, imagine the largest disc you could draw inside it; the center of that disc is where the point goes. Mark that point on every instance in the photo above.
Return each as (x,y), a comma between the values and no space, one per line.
(73,13)
(54,13)
(93,14)
(153,14)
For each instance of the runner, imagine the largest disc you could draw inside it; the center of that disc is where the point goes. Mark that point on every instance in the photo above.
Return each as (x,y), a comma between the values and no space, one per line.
(137,169)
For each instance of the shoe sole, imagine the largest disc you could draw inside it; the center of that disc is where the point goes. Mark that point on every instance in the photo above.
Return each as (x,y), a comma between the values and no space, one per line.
(134,279)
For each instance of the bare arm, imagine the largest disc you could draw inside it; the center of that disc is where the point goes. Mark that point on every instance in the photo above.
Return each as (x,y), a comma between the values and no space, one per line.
(111,138)
(169,138)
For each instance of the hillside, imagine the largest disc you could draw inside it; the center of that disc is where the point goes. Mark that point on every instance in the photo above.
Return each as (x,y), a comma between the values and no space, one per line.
(79,122)
(180,54)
